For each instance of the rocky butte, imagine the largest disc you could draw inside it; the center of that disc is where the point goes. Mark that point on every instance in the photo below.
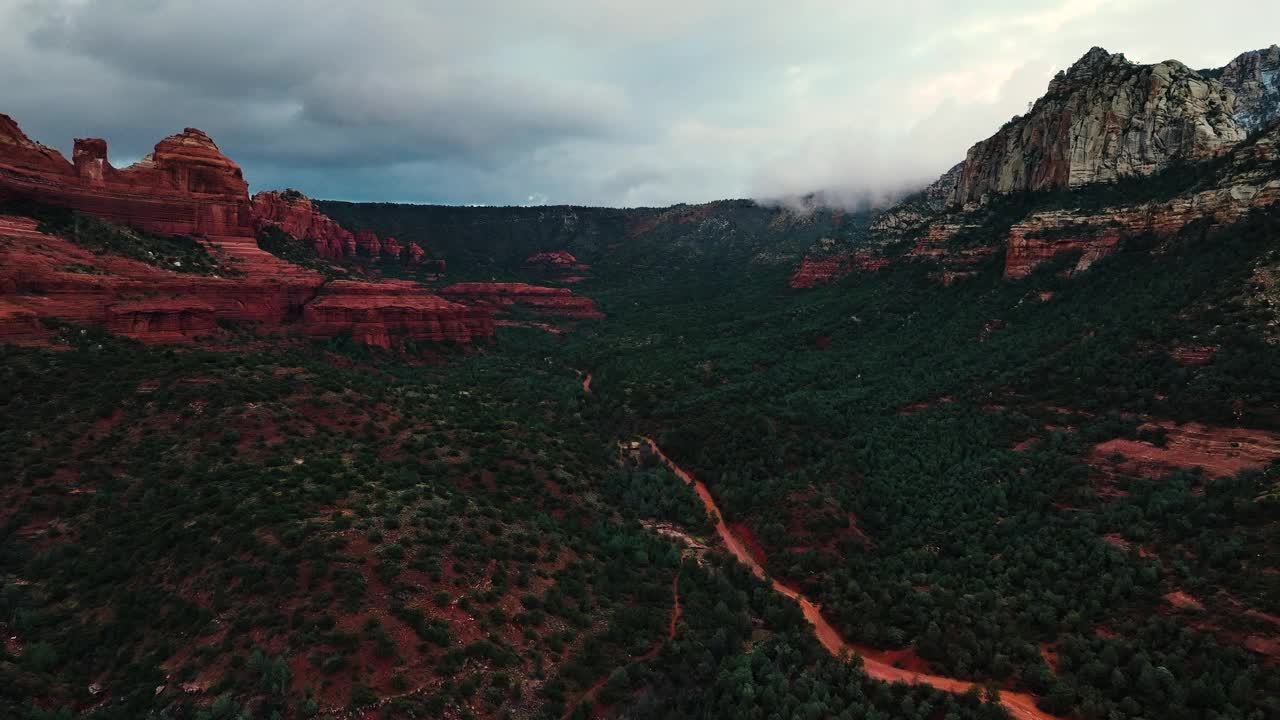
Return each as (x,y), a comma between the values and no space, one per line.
(187,186)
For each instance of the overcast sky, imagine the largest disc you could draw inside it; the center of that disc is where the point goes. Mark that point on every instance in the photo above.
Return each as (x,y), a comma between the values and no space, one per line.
(614,102)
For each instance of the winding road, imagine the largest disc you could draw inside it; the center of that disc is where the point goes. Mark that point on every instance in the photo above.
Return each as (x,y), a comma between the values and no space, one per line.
(876,663)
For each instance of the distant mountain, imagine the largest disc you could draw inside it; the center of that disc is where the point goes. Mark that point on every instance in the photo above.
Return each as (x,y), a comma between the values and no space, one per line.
(1113,150)
(1106,118)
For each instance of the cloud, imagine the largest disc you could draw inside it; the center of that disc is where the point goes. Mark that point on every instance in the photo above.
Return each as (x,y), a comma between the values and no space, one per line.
(580,101)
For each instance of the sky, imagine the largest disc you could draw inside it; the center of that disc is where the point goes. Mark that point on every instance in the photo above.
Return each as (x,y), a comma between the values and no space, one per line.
(588,102)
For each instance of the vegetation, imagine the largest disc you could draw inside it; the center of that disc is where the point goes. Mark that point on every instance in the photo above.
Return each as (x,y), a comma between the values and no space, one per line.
(299,531)
(976,555)
(299,252)
(177,253)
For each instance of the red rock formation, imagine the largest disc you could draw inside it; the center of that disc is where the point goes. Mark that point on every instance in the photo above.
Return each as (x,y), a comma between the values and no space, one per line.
(391,249)
(557,264)
(187,186)
(367,244)
(21,153)
(162,319)
(1028,246)
(39,278)
(42,276)
(376,313)
(555,258)
(415,254)
(1042,236)
(551,301)
(814,271)
(295,214)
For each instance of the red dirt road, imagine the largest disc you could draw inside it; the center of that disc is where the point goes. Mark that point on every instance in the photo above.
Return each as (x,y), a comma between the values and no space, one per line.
(877,663)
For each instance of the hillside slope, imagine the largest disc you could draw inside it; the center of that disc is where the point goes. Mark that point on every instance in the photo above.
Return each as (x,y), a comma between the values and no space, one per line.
(1022,461)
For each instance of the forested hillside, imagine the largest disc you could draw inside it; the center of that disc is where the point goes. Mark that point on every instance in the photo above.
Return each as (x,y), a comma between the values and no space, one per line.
(1011,452)
(500,239)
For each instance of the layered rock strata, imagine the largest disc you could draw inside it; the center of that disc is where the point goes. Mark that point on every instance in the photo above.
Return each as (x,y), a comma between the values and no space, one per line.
(187,186)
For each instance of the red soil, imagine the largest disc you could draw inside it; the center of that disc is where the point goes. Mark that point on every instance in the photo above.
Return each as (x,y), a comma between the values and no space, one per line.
(915,407)
(1263,645)
(1193,355)
(889,666)
(1049,651)
(1117,540)
(749,540)
(1183,601)
(1220,451)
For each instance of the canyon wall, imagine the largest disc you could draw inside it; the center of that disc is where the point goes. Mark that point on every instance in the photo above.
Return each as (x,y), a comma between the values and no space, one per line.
(297,215)
(1103,119)
(187,186)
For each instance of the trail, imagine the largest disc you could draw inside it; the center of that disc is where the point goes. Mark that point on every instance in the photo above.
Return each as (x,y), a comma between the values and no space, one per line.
(876,663)
(649,654)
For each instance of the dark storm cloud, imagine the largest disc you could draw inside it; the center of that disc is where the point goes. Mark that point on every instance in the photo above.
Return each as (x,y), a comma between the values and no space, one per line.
(314,85)
(587,101)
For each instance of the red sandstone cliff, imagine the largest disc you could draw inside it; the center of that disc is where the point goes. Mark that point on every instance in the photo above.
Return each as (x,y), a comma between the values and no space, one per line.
(560,265)
(814,271)
(376,313)
(42,276)
(550,301)
(294,213)
(187,186)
